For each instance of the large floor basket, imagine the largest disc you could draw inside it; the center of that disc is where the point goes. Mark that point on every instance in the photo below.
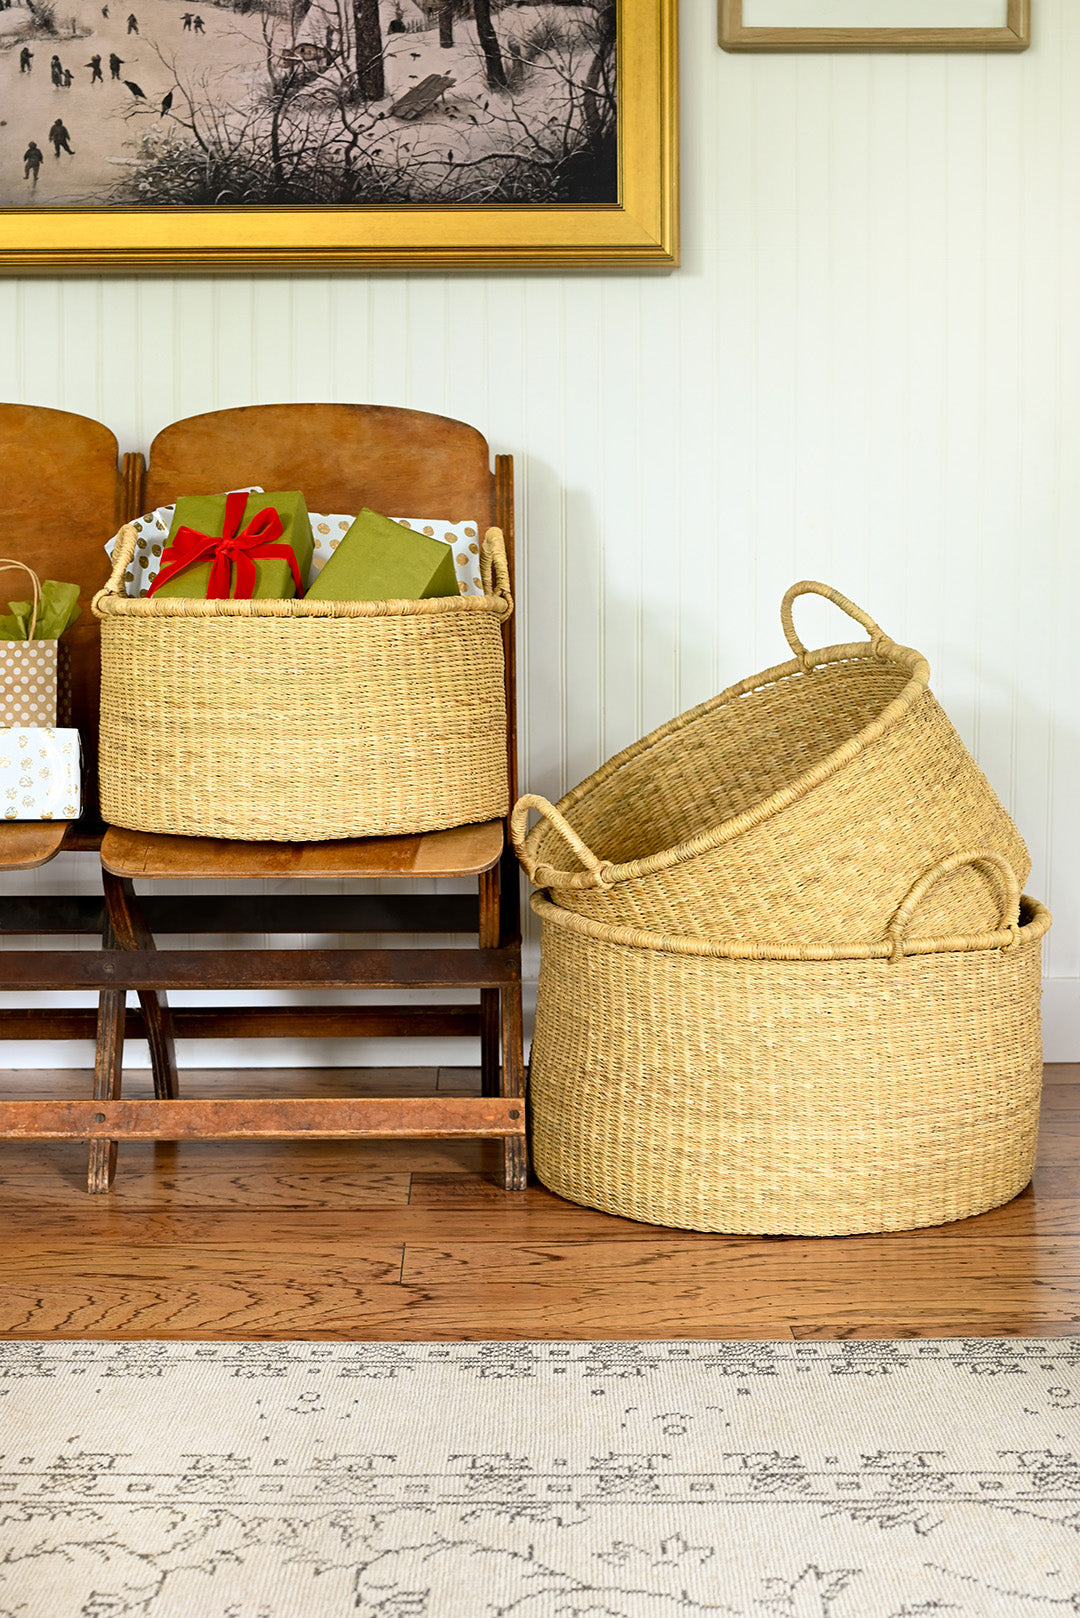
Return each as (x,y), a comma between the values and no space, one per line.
(303,720)
(808,1091)
(793,805)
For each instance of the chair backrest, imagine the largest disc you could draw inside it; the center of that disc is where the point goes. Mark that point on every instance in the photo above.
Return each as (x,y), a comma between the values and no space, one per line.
(399,462)
(402,463)
(60,502)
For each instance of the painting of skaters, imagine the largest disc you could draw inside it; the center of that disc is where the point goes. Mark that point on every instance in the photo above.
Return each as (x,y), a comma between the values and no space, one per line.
(174,103)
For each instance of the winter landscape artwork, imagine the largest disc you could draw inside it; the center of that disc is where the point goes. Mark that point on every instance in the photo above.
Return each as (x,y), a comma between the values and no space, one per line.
(152,110)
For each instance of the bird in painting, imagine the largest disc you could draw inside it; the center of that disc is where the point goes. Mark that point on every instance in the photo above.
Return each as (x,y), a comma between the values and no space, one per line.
(136,92)
(166,104)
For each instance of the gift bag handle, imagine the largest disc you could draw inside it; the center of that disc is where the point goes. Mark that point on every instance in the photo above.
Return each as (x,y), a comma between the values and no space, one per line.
(880,643)
(9,561)
(545,876)
(1008,896)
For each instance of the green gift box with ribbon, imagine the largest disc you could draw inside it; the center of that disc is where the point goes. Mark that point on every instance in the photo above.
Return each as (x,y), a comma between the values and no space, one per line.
(379,560)
(237,546)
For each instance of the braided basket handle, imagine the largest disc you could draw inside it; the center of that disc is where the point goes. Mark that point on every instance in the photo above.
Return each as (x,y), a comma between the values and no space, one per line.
(494,572)
(1008,896)
(9,561)
(123,554)
(546,876)
(880,643)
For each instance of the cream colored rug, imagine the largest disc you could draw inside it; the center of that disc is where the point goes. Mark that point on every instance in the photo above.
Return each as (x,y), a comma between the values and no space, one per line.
(540,1480)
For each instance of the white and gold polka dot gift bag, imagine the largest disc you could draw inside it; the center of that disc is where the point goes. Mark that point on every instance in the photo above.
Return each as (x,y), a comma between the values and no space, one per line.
(35,675)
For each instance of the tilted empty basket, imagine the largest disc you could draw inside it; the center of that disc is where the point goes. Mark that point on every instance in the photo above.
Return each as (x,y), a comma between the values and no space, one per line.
(793,805)
(303,720)
(800,1090)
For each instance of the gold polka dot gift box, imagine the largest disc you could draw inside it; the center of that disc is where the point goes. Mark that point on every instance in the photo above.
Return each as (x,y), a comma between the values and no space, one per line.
(40,774)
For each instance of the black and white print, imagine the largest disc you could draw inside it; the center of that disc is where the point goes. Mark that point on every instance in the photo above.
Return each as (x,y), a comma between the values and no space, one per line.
(234,103)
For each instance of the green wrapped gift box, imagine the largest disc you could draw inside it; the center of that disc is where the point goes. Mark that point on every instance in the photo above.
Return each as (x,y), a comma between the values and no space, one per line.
(205,513)
(379,560)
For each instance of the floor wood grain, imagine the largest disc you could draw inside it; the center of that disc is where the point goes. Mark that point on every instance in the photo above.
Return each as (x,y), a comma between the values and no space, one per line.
(415,1240)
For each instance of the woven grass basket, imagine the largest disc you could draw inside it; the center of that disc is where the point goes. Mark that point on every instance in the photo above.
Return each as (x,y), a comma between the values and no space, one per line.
(795,1091)
(793,805)
(303,720)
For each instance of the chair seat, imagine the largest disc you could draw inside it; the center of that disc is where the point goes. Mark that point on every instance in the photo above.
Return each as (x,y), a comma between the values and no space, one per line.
(460,851)
(27,843)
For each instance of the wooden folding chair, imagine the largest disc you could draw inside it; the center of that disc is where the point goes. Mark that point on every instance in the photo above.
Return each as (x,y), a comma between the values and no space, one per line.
(343,457)
(61,498)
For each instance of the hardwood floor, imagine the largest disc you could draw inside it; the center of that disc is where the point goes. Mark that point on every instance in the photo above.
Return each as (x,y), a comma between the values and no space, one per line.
(414,1240)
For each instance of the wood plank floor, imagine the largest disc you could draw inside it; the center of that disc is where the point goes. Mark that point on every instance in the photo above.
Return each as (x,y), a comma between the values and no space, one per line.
(414,1240)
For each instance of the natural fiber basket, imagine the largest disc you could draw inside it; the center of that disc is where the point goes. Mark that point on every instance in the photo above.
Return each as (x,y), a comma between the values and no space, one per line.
(793,805)
(794,1090)
(303,720)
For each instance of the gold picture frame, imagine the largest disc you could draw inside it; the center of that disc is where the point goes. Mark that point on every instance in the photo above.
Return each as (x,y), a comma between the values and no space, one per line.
(640,230)
(1014,34)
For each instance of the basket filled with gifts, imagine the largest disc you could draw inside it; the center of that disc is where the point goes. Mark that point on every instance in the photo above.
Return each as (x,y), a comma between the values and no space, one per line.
(256,685)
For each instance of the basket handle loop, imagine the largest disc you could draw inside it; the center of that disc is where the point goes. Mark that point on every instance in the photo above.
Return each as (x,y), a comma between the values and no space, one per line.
(9,561)
(123,553)
(1008,895)
(546,876)
(880,643)
(494,572)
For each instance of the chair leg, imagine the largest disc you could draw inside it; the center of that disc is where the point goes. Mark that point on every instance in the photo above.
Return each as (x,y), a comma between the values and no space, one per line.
(490,932)
(502,1057)
(515,1147)
(129,926)
(108,1072)
(489,1042)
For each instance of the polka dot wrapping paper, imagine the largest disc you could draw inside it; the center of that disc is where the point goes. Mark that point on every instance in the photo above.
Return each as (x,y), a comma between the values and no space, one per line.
(327,531)
(40,774)
(35,683)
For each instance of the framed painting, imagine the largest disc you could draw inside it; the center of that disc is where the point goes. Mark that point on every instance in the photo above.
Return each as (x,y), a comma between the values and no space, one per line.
(875,25)
(222,135)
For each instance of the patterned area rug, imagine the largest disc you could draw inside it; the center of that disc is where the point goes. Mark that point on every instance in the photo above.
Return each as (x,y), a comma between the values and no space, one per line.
(540,1480)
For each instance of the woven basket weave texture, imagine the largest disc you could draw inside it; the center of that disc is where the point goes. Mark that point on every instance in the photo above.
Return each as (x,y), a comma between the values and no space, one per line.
(796,804)
(797,1096)
(263,720)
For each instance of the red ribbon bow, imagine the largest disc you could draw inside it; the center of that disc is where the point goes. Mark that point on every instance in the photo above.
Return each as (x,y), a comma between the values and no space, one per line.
(233,545)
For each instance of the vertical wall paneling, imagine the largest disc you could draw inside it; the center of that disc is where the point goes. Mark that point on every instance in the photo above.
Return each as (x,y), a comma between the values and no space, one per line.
(866,370)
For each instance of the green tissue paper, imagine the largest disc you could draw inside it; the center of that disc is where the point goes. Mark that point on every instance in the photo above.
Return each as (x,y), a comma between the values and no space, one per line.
(57,611)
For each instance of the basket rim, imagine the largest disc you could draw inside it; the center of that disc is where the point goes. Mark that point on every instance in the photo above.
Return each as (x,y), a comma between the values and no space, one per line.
(111,601)
(194,608)
(1035,922)
(609,872)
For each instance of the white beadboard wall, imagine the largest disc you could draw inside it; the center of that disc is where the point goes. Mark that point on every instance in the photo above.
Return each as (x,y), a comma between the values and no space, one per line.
(867,370)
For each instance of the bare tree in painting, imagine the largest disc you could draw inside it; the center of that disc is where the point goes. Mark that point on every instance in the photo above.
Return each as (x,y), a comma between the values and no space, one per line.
(446,25)
(599,81)
(489,44)
(308,137)
(369,49)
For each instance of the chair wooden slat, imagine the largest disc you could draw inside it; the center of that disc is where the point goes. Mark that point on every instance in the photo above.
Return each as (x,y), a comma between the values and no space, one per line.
(27,843)
(402,463)
(462,851)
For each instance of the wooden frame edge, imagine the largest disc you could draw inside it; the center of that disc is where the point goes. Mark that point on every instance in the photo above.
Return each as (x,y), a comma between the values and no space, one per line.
(1015,35)
(638,232)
